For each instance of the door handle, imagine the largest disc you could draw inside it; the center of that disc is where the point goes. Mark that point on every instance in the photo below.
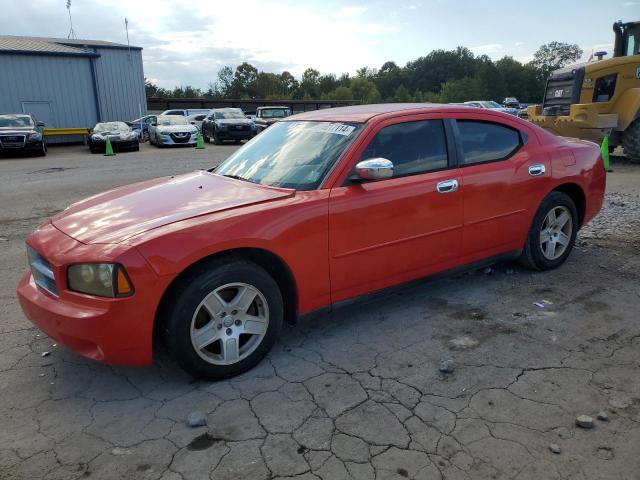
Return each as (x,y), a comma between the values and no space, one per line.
(447,186)
(537,170)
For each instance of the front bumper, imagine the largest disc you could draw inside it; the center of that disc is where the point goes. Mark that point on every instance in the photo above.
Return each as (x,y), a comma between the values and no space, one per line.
(117,331)
(116,144)
(169,139)
(28,146)
(233,134)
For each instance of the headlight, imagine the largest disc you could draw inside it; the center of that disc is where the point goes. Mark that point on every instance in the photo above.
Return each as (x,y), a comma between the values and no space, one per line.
(37,136)
(96,137)
(100,279)
(221,126)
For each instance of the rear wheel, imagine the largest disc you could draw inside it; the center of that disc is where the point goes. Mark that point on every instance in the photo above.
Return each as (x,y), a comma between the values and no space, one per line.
(552,234)
(631,141)
(223,319)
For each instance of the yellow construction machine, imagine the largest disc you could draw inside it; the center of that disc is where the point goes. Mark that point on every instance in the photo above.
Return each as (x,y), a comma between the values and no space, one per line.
(598,98)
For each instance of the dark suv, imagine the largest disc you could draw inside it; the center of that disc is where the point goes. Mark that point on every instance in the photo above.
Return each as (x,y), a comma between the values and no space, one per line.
(227,124)
(266,116)
(21,132)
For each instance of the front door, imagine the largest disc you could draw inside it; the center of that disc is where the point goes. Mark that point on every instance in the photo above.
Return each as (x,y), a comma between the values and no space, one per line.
(386,232)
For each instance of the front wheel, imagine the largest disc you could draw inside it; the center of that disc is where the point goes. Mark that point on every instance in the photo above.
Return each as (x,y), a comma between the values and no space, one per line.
(552,234)
(223,319)
(631,141)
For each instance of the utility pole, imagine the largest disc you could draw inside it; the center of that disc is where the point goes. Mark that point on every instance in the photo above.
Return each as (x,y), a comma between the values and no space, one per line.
(71,34)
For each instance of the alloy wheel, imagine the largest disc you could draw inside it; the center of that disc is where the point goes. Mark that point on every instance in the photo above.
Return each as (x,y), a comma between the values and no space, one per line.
(556,232)
(229,324)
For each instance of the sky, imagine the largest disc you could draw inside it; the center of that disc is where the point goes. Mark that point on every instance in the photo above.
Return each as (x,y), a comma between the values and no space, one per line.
(187,42)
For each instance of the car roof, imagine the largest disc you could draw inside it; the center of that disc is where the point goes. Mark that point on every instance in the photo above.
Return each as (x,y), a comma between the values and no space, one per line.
(364,113)
(273,106)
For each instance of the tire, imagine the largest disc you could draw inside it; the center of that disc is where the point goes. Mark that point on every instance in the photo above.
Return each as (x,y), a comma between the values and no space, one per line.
(541,255)
(94,150)
(631,141)
(188,313)
(205,139)
(43,152)
(135,148)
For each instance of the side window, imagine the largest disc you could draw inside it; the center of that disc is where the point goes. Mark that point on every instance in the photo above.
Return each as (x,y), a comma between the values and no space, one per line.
(604,89)
(485,141)
(413,147)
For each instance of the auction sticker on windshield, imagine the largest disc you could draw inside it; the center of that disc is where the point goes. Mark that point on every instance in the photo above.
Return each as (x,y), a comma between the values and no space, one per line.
(337,128)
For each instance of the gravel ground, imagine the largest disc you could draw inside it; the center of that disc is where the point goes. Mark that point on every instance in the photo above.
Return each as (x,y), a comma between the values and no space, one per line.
(360,393)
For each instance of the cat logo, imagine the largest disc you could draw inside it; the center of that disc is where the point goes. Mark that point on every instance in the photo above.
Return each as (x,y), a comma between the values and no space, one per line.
(558,93)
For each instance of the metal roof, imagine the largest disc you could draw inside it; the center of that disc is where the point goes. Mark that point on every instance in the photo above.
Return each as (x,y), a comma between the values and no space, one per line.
(55,46)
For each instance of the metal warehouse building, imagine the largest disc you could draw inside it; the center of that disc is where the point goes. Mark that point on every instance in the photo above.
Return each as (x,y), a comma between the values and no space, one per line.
(71,83)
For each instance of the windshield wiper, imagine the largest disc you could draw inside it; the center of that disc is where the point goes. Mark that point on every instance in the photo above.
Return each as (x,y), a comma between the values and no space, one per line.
(238,177)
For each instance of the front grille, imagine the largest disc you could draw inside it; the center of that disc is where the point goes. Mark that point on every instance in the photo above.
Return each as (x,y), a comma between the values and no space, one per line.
(42,272)
(239,128)
(12,141)
(563,89)
(180,137)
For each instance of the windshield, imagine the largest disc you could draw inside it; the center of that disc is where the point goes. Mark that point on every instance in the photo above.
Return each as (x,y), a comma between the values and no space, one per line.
(491,105)
(229,114)
(274,113)
(172,120)
(19,121)
(111,127)
(291,154)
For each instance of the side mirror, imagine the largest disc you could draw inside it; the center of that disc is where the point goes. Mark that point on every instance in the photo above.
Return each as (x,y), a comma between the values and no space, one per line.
(193,123)
(154,124)
(373,169)
(40,124)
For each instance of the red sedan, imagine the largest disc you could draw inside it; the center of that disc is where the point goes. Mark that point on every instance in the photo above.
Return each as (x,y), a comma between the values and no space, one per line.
(321,207)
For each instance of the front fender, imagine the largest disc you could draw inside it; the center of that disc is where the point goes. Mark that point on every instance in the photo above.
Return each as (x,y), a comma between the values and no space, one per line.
(627,107)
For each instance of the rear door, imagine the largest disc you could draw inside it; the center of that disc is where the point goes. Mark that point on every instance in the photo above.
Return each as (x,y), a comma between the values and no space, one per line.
(390,231)
(504,177)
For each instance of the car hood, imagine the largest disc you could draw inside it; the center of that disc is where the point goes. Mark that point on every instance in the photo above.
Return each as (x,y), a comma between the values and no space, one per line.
(14,130)
(234,121)
(116,215)
(177,128)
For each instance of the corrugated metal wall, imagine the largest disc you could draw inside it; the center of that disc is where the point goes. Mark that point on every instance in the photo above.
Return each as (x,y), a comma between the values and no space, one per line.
(64,87)
(64,82)
(120,84)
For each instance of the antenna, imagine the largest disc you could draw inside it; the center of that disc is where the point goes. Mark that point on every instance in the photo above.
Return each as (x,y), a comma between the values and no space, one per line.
(71,34)
(126,27)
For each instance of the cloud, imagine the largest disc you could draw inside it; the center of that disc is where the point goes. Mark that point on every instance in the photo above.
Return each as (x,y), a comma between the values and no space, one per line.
(351,11)
(188,43)
(488,49)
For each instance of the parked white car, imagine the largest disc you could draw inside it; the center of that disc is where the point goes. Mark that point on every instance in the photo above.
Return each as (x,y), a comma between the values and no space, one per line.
(172,130)
(197,119)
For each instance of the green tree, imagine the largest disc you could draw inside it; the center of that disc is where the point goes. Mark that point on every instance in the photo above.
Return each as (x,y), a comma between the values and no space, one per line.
(461,90)
(555,55)
(387,79)
(364,90)
(402,95)
(309,84)
(243,85)
(340,93)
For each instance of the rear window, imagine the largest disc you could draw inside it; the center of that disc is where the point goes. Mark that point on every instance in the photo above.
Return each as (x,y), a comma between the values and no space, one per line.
(486,142)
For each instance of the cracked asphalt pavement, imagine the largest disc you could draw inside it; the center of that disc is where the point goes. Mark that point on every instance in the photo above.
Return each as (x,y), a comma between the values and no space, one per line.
(356,393)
